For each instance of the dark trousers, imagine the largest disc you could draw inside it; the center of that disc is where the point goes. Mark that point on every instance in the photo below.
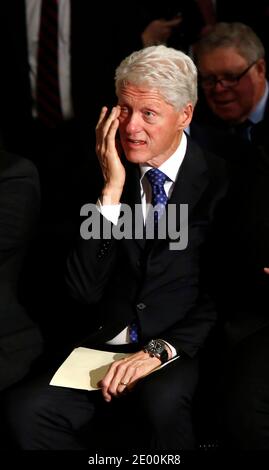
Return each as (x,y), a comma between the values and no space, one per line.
(246,416)
(156,414)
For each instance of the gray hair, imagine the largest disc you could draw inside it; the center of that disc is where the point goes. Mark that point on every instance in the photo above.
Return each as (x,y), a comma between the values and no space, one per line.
(168,70)
(239,36)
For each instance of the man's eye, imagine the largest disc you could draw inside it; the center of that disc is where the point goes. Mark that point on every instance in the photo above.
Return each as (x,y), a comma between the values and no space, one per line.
(124,110)
(230,78)
(208,79)
(149,114)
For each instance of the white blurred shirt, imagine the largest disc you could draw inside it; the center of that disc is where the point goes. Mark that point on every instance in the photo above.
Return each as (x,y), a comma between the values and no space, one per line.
(33,11)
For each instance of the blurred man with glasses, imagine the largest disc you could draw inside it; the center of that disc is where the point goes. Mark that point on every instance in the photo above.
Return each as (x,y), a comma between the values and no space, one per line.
(232,72)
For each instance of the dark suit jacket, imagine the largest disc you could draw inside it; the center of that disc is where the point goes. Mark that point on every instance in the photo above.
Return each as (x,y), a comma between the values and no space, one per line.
(219,137)
(20,340)
(241,286)
(163,290)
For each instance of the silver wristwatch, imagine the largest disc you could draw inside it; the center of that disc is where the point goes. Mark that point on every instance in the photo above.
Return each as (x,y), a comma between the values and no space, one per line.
(157,348)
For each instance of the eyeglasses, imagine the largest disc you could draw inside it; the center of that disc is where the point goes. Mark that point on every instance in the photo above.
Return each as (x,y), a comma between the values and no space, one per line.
(228,80)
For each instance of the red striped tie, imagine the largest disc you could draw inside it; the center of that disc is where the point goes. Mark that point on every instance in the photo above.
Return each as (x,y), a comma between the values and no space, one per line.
(47,86)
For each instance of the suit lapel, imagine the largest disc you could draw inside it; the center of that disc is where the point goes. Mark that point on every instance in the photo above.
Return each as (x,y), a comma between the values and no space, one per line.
(192,179)
(132,197)
(190,184)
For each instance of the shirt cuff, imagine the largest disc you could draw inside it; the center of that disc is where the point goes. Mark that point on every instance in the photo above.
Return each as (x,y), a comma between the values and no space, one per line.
(110,212)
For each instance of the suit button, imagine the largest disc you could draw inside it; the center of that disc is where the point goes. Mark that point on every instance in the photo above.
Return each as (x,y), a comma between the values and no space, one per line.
(138,264)
(141,306)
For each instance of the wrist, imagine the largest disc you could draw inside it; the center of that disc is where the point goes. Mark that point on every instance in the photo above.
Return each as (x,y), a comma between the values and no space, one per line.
(110,196)
(156,361)
(159,349)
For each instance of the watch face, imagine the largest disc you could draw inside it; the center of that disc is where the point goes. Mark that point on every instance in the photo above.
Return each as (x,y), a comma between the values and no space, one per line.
(157,348)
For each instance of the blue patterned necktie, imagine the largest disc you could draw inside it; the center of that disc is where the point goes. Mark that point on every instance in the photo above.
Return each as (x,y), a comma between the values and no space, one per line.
(159,198)
(133,332)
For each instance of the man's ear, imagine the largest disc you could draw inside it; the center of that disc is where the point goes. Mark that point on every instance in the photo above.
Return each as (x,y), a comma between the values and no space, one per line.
(188,113)
(261,67)
(185,116)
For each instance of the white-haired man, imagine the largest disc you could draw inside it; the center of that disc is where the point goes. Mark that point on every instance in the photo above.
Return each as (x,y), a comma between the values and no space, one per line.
(150,299)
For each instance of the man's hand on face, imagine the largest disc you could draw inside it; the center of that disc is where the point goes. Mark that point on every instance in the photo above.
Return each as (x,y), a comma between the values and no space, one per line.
(107,150)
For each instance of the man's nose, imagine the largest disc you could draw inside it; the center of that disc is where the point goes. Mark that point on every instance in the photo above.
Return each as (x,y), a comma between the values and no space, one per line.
(133,124)
(219,86)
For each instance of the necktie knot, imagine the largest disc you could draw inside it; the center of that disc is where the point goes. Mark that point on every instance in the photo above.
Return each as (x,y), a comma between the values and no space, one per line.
(156,177)
(243,130)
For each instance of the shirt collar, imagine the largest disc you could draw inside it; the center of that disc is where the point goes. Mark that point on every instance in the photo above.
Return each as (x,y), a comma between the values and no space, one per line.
(172,165)
(257,114)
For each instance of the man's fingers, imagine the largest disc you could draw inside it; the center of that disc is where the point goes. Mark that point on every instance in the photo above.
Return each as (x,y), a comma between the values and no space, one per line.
(174,22)
(120,379)
(123,375)
(122,382)
(109,121)
(106,381)
(111,134)
(117,380)
(101,117)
